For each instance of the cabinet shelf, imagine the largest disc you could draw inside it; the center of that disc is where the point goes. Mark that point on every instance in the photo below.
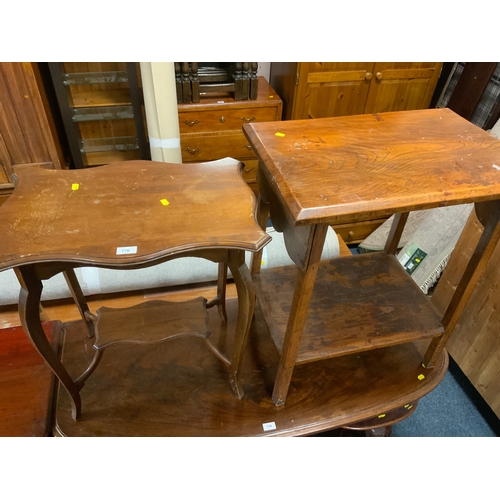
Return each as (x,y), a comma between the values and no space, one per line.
(103,113)
(95,77)
(109,144)
(358,303)
(105,157)
(101,97)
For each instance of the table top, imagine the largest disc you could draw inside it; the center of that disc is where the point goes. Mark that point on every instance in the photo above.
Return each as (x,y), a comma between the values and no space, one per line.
(355,168)
(127,213)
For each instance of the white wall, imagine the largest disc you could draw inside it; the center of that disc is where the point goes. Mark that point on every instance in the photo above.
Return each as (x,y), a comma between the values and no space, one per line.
(264,70)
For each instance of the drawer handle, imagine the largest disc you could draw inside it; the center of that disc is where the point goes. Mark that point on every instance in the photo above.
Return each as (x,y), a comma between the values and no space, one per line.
(248,120)
(190,124)
(222,119)
(192,151)
(247,170)
(248,147)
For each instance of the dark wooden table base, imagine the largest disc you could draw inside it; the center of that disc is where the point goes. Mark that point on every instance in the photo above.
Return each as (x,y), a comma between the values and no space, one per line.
(180,388)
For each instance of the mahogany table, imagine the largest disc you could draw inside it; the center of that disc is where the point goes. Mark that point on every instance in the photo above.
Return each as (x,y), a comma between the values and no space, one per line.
(131,215)
(313,173)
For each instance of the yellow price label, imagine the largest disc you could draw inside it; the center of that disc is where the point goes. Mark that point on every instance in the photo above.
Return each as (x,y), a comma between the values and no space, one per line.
(164,202)
(279,134)
(74,187)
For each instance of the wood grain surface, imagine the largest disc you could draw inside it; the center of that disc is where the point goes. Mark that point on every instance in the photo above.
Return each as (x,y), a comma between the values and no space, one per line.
(26,384)
(363,167)
(180,388)
(359,303)
(84,216)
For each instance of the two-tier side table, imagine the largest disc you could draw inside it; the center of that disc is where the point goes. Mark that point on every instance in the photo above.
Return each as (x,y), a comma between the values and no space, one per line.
(131,215)
(315,173)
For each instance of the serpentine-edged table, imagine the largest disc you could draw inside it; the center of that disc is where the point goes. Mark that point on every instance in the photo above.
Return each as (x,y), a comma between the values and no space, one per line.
(131,215)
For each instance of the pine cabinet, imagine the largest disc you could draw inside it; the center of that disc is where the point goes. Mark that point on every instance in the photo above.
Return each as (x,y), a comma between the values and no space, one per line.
(324,89)
(212,128)
(327,89)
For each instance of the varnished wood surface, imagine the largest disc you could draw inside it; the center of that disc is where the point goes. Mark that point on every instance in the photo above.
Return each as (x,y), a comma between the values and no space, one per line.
(358,231)
(382,420)
(212,128)
(214,145)
(180,388)
(26,384)
(323,89)
(346,169)
(27,133)
(24,124)
(120,205)
(151,322)
(198,119)
(358,303)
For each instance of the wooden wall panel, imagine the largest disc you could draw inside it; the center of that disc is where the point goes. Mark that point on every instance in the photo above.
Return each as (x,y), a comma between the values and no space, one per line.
(475,343)
(23,121)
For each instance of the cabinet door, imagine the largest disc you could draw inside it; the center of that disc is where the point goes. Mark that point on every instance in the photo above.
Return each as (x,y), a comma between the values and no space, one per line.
(402,86)
(25,134)
(6,184)
(331,89)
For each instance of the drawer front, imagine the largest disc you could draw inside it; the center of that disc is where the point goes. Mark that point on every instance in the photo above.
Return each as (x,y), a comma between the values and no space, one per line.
(356,233)
(207,147)
(250,171)
(223,119)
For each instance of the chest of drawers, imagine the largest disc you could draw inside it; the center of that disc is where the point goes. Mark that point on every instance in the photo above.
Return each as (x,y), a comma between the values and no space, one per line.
(212,128)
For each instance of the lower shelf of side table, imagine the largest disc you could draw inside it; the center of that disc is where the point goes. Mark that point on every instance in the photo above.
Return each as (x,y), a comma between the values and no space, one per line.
(359,303)
(150,322)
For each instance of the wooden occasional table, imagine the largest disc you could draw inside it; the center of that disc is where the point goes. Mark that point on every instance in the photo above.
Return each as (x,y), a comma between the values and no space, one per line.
(131,215)
(315,173)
